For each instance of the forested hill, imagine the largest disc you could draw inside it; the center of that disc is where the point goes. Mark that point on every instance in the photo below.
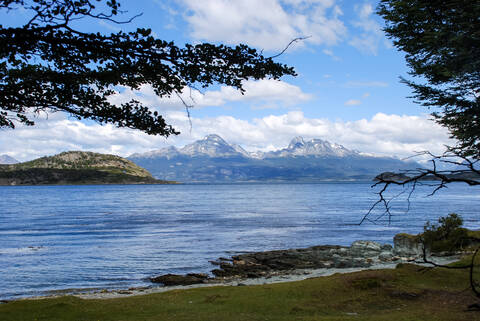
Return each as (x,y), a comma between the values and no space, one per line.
(76,168)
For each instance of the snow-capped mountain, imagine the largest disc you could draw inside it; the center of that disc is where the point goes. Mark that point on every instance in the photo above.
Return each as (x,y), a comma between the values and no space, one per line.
(215,146)
(212,146)
(212,159)
(5,159)
(314,147)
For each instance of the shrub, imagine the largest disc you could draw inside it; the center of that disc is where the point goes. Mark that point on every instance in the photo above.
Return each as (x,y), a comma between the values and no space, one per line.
(448,236)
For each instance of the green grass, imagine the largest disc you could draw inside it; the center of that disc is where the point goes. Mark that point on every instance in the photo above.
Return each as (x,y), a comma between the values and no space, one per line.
(406,293)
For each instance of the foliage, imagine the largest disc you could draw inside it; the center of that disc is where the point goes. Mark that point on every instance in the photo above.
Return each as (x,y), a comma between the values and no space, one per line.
(447,236)
(441,41)
(46,65)
(74,176)
(76,168)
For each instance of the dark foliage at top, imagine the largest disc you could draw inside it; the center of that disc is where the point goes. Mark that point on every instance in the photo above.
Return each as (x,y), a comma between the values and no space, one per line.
(46,65)
(441,40)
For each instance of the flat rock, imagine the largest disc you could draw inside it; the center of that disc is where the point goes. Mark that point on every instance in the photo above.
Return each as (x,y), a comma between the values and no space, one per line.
(176,279)
(361,254)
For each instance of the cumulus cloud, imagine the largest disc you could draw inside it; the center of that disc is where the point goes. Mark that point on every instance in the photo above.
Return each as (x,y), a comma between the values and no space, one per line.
(266,24)
(274,93)
(384,135)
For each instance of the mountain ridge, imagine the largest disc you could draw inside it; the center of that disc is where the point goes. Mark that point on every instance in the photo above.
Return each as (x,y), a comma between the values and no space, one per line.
(215,146)
(212,159)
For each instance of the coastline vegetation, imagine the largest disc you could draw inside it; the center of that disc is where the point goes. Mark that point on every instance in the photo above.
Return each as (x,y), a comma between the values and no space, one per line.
(409,292)
(76,168)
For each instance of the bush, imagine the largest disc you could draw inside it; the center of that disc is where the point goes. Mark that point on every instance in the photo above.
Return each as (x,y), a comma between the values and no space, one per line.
(448,236)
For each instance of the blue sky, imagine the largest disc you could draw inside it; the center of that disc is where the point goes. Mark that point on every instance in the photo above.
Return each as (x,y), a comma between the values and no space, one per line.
(347,89)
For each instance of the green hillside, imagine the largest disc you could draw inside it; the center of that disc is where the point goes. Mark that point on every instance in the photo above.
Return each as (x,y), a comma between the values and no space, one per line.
(76,168)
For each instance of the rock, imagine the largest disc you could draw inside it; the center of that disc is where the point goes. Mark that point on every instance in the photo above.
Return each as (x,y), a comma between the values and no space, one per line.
(386,247)
(361,254)
(407,245)
(124,292)
(175,279)
(365,248)
(360,262)
(386,256)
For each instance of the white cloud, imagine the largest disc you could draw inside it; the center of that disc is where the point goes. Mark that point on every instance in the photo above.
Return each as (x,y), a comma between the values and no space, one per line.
(371,35)
(269,92)
(383,134)
(266,24)
(352,102)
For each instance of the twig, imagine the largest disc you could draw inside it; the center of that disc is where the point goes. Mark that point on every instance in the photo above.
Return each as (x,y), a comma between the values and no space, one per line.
(289,44)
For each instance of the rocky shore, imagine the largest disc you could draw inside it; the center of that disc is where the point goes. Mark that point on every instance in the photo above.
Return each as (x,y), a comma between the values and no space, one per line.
(268,264)
(281,266)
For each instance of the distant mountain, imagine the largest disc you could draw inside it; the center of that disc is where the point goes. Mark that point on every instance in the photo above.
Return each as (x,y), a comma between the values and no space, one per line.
(210,146)
(315,147)
(212,159)
(5,159)
(76,168)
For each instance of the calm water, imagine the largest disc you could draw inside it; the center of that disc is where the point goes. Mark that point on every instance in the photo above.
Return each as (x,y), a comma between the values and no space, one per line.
(63,237)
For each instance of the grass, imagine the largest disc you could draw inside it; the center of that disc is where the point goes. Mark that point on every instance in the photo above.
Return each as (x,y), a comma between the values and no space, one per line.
(408,292)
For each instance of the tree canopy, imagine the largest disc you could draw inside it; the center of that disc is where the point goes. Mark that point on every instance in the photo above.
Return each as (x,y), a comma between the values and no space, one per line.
(441,41)
(46,65)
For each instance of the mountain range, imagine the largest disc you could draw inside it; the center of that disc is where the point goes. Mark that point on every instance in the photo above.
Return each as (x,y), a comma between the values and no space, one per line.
(212,159)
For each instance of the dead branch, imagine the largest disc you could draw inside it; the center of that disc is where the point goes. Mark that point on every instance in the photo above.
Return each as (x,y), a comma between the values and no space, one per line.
(289,44)
(464,170)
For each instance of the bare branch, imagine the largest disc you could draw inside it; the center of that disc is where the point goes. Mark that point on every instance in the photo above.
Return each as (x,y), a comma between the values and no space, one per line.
(187,108)
(466,171)
(289,44)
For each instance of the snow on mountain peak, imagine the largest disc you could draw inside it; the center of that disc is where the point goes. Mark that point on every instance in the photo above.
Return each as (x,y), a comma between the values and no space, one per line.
(314,147)
(296,142)
(215,138)
(215,146)
(211,145)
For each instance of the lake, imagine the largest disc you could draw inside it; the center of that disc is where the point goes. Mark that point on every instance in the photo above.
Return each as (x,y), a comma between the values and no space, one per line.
(116,236)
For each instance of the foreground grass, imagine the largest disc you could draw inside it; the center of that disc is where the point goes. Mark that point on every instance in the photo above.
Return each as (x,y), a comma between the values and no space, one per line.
(406,293)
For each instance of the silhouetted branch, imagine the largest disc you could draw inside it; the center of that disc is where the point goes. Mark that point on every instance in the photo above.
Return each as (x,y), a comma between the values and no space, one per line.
(289,44)
(465,171)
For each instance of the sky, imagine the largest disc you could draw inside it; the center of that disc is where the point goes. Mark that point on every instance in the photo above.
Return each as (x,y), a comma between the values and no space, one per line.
(347,90)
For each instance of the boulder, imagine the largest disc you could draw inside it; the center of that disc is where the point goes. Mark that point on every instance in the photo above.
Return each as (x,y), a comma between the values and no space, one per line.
(271,263)
(386,256)
(175,279)
(407,245)
(365,249)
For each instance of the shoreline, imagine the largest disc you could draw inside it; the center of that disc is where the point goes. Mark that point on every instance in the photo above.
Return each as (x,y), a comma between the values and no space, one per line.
(277,277)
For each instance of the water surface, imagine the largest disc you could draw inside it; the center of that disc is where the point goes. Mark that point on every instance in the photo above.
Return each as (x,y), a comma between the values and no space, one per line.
(115,236)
